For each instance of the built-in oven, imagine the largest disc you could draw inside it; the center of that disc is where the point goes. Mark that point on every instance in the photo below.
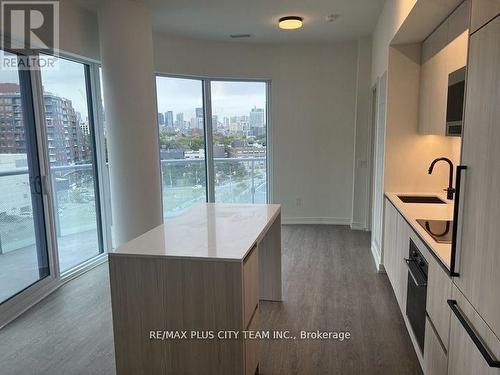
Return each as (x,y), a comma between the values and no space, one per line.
(417,293)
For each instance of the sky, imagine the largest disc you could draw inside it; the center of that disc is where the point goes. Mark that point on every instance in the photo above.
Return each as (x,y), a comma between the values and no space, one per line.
(229,98)
(67,80)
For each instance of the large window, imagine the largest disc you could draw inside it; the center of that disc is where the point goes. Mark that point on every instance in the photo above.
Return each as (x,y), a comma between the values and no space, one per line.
(239,141)
(70,142)
(182,143)
(23,246)
(213,142)
(51,221)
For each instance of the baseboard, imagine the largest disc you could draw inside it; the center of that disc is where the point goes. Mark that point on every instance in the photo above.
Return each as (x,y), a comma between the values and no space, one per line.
(377,257)
(316,220)
(358,226)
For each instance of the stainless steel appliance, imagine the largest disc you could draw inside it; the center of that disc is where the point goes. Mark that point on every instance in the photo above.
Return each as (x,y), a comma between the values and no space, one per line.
(417,293)
(455,102)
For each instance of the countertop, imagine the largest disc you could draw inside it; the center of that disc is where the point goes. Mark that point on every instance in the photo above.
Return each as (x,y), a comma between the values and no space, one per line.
(209,231)
(413,211)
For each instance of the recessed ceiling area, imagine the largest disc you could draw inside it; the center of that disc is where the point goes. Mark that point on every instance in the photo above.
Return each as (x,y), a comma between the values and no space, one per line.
(218,19)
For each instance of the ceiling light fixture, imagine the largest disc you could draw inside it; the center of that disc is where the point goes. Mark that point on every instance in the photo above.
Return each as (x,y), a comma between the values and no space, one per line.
(290,22)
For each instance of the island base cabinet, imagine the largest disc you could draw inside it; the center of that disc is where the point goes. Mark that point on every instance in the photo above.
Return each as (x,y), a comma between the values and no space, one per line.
(465,357)
(252,347)
(150,294)
(435,359)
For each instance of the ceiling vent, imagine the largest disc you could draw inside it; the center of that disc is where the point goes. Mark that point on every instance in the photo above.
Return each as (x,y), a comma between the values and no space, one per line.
(239,36)
(332,17)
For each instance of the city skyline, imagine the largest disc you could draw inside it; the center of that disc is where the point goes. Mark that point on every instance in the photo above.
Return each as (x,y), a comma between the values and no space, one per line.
(228,98)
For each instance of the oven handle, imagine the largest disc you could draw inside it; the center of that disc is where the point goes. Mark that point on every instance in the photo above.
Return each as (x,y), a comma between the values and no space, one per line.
(492,362)
(410,272)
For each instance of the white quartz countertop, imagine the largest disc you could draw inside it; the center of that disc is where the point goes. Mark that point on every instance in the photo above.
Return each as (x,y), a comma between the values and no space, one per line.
(206,231)
(413,211)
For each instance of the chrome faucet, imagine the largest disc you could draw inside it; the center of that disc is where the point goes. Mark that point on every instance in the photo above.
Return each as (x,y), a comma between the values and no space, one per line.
(450,190)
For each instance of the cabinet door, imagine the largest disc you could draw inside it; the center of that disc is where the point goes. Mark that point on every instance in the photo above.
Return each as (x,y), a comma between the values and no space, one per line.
(483,11)
(390,238)
(479,245)
(438,292)
(402,252)
(464,355)
(435,360)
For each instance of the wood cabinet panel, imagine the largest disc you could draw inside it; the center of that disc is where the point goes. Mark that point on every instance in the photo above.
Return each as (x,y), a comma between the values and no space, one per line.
(483,11)
(150,293)
(390,239)
(464,358)
(252,347)
(396,245)
(479,255)
(250,285)
(402,252)
(435,359)
(438,292)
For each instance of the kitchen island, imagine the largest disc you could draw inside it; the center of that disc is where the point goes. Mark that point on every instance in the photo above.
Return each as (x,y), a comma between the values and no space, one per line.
(177,290)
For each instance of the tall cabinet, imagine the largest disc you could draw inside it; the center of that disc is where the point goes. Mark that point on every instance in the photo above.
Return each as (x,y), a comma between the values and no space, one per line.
(475,324)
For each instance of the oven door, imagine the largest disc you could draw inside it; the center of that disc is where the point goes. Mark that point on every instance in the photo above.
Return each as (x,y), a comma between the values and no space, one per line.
(416,301)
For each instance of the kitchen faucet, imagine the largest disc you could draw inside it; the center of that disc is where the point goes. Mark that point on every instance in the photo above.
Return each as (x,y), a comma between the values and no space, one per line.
(450,190)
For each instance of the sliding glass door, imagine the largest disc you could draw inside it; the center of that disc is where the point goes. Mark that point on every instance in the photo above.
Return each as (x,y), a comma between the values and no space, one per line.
(23,245)
(71,149)
(213,141)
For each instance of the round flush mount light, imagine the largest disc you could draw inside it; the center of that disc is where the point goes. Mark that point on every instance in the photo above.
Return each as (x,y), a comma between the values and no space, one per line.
(290,22)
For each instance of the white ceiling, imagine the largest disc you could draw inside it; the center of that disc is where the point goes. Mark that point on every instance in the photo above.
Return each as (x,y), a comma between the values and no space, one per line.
(217,19)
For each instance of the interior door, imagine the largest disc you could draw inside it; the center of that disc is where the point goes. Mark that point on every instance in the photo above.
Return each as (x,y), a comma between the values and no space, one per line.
(479,252)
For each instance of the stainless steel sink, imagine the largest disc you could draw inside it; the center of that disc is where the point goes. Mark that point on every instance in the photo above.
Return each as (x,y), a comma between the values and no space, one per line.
(432,199)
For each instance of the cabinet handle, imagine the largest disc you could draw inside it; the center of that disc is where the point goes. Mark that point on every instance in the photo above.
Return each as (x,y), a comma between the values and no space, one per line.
(456,209)
(492,362)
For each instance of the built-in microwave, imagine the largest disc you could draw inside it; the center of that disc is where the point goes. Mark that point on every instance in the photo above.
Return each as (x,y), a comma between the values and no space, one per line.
(455,102)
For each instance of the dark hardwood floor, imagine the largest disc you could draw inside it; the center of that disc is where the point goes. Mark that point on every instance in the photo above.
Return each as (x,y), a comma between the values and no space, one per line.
(330,284)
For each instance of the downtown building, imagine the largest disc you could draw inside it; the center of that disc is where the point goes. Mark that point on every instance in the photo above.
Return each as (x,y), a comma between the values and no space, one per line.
(67,140)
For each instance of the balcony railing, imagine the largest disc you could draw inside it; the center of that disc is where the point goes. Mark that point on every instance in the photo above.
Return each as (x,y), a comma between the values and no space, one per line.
(237,180)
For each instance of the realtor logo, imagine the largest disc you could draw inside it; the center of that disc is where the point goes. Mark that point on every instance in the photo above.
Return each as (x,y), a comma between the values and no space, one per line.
(29,27)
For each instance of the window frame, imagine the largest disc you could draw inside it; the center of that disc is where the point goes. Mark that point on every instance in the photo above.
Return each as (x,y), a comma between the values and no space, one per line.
(101,177)
(28,297)
(208,127)
(36,177)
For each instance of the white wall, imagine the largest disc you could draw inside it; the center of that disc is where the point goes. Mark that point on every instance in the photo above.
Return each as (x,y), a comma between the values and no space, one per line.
(390,20)
(79,32)
(408,153)
(313,114)
(317,113)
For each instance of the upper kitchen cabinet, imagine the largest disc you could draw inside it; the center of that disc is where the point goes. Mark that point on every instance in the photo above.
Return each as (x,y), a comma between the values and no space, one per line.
(479,251)
(442,75)
(483,11)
